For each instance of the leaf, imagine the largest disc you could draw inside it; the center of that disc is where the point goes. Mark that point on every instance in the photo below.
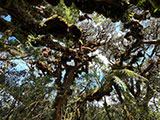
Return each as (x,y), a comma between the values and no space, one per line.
(81,42)
(156,10)
(119,82)
(129,73)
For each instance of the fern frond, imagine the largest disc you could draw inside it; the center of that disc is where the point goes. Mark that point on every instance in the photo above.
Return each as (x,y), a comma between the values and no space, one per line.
(123,73)
(120,83)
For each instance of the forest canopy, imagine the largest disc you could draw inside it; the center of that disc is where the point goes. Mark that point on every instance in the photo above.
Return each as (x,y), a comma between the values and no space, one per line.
(79,59)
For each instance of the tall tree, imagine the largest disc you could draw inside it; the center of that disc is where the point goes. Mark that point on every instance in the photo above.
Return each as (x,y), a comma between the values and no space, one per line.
(50,69)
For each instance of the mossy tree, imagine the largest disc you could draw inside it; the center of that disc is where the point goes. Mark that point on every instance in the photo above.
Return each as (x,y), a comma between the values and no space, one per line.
(61,73)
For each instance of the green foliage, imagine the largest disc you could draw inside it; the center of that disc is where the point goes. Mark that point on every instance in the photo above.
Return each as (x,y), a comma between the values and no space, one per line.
(141,2)
(58,78)
(119,82)
(68,13)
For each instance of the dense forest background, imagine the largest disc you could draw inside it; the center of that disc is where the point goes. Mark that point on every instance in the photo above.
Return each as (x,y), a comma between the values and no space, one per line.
(79,59)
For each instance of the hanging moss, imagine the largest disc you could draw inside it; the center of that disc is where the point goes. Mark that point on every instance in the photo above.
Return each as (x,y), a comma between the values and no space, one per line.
(75,31)
(55,25)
